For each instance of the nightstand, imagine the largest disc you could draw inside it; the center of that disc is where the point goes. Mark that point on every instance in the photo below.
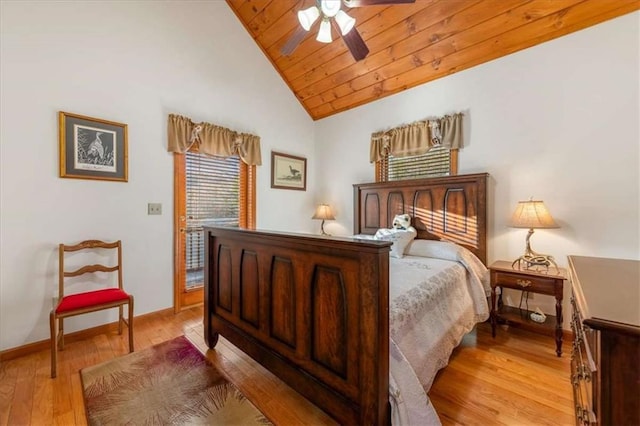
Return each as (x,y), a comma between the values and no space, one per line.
(547,282)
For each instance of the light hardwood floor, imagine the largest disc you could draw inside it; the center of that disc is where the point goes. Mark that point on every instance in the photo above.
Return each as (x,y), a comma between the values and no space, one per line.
(514,379)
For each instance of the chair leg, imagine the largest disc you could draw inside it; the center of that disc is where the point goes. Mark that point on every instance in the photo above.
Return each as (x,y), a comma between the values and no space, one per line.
(130,324)
(54,344)
(120,318)
(61,334)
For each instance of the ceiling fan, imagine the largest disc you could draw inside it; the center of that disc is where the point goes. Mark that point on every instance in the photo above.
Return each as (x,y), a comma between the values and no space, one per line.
(331,14)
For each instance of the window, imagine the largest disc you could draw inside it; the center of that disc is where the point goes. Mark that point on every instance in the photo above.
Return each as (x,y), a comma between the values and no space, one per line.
(437,161)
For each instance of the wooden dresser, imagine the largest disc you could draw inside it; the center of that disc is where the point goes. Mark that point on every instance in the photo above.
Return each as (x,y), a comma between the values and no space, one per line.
(605,358)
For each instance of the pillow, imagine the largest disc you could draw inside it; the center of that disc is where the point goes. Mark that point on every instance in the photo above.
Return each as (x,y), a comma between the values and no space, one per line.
(450,251)
(399,237)
(434,248)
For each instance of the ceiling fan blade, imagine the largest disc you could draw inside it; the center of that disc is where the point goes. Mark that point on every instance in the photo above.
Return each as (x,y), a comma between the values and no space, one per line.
(293,42)
(356,44)
(360,3)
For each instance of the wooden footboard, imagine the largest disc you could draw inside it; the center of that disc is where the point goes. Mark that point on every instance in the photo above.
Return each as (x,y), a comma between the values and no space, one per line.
(313,310)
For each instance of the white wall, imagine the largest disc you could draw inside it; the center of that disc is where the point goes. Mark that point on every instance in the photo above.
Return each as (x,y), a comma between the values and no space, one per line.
(133,62)
(559,122)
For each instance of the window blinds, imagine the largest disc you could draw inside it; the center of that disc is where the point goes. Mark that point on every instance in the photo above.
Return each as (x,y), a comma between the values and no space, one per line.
(436,162)
(213,198)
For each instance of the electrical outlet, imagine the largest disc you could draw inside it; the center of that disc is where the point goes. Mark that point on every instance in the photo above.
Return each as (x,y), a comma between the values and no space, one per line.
(154,208)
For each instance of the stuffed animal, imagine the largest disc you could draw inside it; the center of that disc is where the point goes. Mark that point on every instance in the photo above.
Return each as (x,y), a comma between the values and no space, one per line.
(401,234)
(402,221)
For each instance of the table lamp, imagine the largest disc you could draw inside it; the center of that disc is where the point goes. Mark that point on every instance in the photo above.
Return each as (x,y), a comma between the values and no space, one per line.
(323,212)
(532,214)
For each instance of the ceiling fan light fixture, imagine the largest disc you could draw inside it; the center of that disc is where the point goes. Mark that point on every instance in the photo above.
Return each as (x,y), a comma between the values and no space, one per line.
(324,33)
(330,7)
(308,16)
(345,22)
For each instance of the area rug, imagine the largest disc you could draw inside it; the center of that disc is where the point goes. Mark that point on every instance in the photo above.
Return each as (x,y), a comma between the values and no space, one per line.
(170,383)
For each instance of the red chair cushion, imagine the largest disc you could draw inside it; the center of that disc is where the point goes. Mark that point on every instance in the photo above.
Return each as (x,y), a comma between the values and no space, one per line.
(88,299)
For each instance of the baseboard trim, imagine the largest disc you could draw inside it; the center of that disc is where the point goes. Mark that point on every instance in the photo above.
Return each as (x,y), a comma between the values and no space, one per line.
(30,348)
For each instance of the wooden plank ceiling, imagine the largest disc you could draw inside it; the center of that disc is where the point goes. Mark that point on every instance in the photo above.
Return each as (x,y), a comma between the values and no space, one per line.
(410,44)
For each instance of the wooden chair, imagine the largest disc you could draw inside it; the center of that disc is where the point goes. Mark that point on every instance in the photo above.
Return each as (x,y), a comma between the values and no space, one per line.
(87,301)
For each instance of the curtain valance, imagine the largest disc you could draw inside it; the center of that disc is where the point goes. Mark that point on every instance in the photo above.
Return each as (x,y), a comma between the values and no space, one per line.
(212,140)
(418,137)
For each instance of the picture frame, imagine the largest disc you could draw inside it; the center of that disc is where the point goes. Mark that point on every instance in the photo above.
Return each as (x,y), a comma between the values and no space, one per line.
(288,171)
(92,148)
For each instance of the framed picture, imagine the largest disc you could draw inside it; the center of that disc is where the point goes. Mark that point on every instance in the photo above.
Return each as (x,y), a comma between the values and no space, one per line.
(288,171)
(91,148)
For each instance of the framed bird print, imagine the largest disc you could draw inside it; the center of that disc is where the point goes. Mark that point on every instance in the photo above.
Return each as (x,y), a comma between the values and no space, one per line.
(288,171)
(92,148)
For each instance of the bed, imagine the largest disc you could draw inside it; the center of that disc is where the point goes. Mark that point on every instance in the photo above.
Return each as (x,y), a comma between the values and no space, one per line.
(319,312)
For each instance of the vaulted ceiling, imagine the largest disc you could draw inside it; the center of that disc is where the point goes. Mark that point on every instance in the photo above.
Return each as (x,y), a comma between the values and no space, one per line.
(409,44)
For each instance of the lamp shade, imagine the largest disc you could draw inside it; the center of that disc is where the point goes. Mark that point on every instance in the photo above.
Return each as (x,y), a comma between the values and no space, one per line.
(532,214)
(308,16)
(345,22)
(323,212)
(324,33)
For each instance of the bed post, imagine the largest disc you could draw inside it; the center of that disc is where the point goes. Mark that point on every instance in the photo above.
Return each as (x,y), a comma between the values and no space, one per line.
(210,337)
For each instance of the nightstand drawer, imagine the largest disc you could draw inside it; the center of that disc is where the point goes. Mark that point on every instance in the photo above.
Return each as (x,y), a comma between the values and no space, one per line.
(527,283)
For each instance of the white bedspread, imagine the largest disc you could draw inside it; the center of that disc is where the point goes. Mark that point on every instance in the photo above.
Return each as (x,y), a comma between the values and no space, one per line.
(433,304)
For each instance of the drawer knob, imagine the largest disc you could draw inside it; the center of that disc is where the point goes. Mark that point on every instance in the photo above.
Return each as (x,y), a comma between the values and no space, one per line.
(523,283)
(584,373)
(575,379)
(579,412)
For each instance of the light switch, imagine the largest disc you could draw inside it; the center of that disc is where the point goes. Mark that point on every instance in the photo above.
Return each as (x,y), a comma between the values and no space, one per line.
(154,208)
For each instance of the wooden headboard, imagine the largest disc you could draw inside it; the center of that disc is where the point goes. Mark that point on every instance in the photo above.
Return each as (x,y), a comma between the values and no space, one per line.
(452,208)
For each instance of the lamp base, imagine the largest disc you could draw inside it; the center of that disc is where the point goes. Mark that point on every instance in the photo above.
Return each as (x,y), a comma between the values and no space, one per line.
(531,259)
(322,229)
